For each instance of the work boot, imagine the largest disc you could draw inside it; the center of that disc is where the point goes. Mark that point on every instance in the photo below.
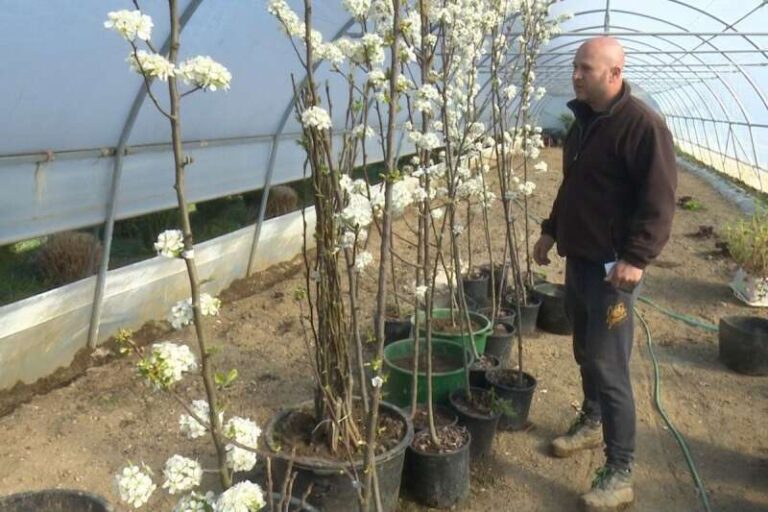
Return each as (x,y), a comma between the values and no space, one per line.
(584,434)
(611,490)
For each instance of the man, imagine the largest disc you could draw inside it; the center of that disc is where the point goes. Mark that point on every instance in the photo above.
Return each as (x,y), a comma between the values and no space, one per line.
(612,216)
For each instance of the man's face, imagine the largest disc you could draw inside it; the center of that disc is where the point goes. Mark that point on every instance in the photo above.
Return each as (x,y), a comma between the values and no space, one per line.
(592,76)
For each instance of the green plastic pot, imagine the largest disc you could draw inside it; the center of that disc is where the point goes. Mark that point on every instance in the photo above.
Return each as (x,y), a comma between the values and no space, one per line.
(397,387)
(479,335)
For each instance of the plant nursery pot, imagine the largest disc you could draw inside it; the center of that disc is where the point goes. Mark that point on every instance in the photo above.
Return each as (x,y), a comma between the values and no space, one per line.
(481,425)
(482,328)
(744,344)
(751,290)
(476,287)
(332,488)
(294,504)
(499,344)
(438,480)
(504,384)
(54,500)
(477,372)
(498,270)
(444,417)
(449,375)
(396,329)
(552,316)
(529,314)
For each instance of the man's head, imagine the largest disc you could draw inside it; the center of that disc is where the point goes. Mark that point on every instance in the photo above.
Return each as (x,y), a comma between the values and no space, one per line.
(597,72)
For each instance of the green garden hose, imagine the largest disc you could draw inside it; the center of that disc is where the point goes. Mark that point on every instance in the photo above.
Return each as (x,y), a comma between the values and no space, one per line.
(700,490)
(693,322)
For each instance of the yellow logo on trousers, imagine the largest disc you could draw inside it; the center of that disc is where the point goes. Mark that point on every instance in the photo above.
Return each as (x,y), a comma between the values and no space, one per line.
(616,314)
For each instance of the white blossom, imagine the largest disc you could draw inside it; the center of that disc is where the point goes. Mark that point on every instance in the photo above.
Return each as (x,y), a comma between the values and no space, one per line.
(527,188)
(166,364)
(246,433)
(377,382)
(316,117)
(357,8)
(209,305)
(181,474)
(205,73)
(540,93)
(190,427)
(195,502)
(134,486)
(332,53)
(170,243)
(130,24)
(242,497)
(438,213)
(541,166)
(358,212)
(421,291)
(362,260)
(182,313)
(292,25)
(152,65)
(362,131)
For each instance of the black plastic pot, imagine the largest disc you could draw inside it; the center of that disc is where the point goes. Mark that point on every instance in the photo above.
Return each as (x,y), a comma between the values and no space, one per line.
(332,488)
(477,375)
(476,288)
(498,270)
(529,313)
(744,344)
(500,345)
(295,504)
(481,426)
(552,316)
(55,500)
(504,384)
(438,480)
(396,330)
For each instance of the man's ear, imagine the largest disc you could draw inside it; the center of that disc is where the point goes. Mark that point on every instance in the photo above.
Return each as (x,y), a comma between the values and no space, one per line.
(616,73)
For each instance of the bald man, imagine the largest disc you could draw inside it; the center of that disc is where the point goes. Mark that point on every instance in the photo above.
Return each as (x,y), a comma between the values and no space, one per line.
(610,219)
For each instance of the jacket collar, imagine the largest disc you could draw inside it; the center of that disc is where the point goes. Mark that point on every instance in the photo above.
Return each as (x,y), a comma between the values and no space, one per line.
(583,111)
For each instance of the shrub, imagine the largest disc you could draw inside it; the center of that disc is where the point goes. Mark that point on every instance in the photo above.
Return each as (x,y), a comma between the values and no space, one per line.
(68,256)
(748,243)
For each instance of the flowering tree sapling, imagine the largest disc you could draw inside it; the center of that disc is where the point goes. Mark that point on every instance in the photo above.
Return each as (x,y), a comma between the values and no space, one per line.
(165,363)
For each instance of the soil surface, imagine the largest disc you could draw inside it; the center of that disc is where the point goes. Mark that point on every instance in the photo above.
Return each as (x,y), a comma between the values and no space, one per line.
(443,417)
(80,434)
(440,363)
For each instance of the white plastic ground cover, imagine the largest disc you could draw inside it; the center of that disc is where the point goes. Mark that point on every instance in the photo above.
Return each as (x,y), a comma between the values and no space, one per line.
(733,193)
(44,332)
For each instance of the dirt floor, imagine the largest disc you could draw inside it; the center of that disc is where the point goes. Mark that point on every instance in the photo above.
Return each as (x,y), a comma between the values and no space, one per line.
(79,435)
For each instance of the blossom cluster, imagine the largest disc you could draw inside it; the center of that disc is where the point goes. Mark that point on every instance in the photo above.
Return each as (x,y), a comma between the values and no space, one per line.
(316,117)
(181,474)
(182,313)
(166,364)
(246,433)
(130,24)
(202,72)
(241,497)
(191,427)
(134,486)
(205,73)
(170,243)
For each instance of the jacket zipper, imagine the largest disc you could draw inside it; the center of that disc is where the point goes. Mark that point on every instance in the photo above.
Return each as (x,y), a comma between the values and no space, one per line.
(583,139)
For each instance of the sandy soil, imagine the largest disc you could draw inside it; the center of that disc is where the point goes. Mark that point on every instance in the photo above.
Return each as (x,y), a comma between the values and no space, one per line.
(79,435)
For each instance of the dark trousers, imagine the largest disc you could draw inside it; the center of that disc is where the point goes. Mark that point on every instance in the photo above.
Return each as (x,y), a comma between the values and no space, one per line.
(603,327)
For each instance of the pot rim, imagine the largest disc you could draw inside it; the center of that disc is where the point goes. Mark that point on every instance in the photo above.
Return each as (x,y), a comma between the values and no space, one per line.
(319,465)
(472,414)
(460,449)
(526,375)
(470,358)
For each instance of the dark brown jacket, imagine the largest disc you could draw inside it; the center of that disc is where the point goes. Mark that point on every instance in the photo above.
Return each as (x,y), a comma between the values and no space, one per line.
(617,197)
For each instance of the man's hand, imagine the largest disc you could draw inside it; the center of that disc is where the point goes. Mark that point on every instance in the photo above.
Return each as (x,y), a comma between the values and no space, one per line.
(624,276)
(542,248)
